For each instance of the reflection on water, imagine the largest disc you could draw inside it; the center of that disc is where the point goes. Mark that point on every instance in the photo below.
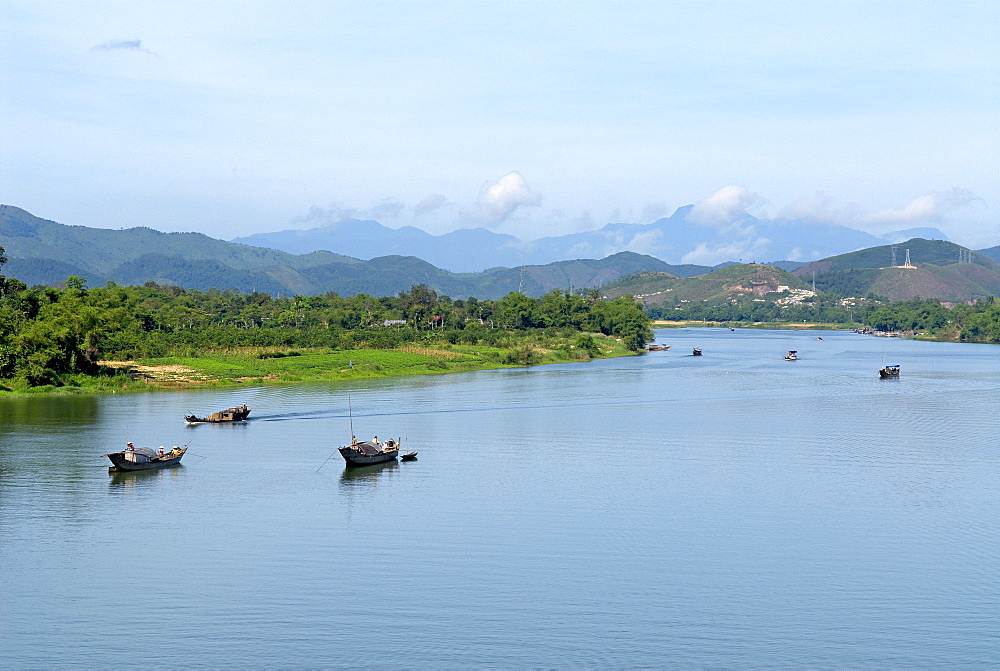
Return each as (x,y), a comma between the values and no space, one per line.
(355,476)
(241,426)
(727,510)
(125,481)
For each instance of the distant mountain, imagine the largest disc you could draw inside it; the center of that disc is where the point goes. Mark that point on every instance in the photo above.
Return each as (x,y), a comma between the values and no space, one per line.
(464,250)
(935,272)
(684,237)
(46,252)
(731,282)
(992,253)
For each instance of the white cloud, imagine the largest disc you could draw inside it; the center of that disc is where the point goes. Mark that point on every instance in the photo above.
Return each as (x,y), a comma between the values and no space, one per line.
(649,243)
(385,211)
(817,207)
(723,207)
(429,204)
(654,212)
(497,202)
(927,208)
(744,250)
(122,45)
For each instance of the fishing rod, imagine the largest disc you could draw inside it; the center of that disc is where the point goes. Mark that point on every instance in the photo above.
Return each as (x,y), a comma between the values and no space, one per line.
(350,414)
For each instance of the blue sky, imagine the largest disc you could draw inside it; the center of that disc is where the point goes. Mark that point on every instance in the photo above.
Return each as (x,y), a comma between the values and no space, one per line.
(529,118)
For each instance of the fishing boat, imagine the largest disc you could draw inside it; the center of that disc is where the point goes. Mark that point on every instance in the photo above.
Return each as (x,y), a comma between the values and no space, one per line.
(409,456)
(888,372)
(792,355)
(134,458)
(657,348)
(366,452)
(696,351)
(231,415)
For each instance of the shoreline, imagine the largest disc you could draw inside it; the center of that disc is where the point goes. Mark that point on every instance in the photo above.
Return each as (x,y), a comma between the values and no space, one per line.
(251,367)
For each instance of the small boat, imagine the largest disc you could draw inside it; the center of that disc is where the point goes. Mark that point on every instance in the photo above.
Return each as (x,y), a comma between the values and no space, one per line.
(409,456)
(696,351)
(731,328)
(144,458)
(792,355)
(364,453)
(657,348)
(818,338)
(888,372)
(231,415)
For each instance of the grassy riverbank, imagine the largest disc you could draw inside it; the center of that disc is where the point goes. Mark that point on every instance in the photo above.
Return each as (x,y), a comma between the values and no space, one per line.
(256,366)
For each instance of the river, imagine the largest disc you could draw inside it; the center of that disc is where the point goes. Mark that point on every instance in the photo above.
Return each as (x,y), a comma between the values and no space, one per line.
(728,510)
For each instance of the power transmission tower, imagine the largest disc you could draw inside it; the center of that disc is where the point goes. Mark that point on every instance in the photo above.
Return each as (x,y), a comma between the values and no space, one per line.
(907,258)
(893,247)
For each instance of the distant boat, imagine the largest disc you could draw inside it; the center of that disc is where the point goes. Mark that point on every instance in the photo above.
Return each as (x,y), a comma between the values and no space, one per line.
(696,351)
(818,338)
(657,348)
(374,452)
(888,372)
(231,415)
(409,456)
(144,458)
(792,355)
(731,328)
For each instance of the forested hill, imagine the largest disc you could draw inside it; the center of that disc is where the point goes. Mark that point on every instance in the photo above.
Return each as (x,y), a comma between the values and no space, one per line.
(938,269)
(46,252)
(731,282)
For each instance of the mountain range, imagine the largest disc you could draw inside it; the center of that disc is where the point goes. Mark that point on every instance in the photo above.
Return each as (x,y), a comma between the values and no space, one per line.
(46,252)
(937,269)
(688,236)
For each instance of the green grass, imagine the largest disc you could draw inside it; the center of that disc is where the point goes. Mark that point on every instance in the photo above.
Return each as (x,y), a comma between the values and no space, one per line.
(219,369)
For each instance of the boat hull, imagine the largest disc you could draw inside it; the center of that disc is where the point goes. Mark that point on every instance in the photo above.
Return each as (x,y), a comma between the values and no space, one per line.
(122,464)
(355,457)
(225,416)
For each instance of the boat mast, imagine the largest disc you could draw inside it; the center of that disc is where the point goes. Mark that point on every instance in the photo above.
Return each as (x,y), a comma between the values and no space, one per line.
(350,415)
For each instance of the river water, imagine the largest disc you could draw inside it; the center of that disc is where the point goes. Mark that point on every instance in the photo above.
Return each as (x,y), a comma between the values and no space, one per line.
(727,510)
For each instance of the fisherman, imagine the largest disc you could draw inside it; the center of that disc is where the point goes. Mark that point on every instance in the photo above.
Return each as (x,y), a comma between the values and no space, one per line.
(375,440)
(161,450)
(130,446)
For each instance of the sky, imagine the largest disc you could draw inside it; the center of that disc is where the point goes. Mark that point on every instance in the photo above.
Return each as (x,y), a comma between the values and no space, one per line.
(527,118)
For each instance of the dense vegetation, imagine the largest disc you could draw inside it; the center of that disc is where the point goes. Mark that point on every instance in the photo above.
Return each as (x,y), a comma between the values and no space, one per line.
(967,323)
(824,308)
(979,322)
(47,334)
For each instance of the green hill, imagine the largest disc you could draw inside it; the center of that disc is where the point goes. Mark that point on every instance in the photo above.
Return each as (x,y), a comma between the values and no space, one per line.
(46,252)
(736,282)
(935,272)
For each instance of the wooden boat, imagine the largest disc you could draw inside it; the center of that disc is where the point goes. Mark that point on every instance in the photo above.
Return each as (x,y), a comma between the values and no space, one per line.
(409,456)
(792,355)
(144,458)
(696,351)
(888,372)
(657,348)
(364,453)
(231,415)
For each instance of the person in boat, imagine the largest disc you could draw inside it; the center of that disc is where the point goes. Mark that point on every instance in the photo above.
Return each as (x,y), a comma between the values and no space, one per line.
(130,446)
(161,450)
(375,440)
